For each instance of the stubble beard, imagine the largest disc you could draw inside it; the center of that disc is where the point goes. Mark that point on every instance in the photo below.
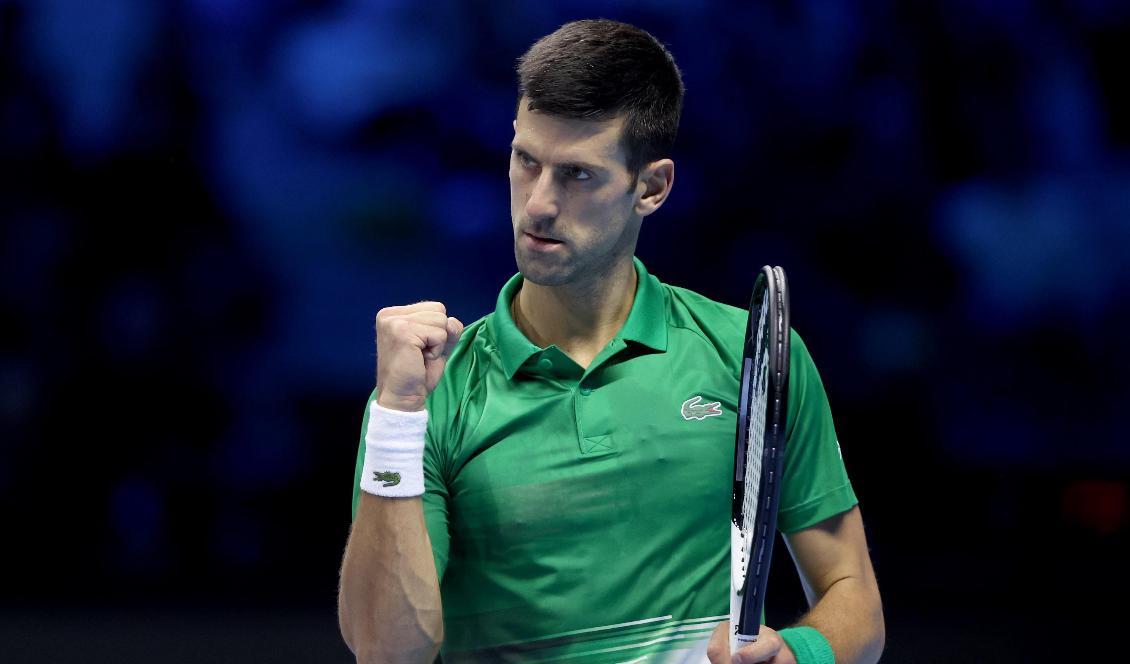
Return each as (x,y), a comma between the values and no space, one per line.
(569,270)
(574,267)
(544,270)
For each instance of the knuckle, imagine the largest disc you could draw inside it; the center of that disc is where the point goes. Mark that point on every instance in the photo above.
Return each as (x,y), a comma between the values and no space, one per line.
(433,305)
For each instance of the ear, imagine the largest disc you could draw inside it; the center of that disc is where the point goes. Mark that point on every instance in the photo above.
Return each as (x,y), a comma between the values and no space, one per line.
(653,185)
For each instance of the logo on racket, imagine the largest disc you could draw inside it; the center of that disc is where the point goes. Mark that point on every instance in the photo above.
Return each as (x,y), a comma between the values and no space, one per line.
(389,478)
(693,410)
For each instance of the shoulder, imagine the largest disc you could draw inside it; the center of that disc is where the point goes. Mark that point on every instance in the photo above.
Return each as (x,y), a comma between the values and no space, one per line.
(718,324)
(687,307)
(477,339)
(470,357)
(724,325)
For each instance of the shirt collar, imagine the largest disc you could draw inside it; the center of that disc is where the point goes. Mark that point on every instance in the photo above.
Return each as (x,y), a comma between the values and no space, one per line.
(646,323)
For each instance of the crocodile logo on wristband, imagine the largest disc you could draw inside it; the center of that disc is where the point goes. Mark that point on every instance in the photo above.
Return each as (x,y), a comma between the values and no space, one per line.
(388,477)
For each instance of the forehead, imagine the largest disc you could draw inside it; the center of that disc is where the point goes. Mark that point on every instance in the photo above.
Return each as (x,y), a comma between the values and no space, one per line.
(553,139)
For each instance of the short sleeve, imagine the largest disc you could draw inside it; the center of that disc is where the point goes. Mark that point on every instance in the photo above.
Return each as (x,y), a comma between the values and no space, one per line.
(435,505)
(816,484)
(435,490)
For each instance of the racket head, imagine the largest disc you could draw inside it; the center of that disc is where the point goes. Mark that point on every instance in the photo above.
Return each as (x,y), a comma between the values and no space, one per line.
(758,451)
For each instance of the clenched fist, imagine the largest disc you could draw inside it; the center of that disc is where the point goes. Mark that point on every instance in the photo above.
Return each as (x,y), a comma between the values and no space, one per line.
(413,343)
(769,648)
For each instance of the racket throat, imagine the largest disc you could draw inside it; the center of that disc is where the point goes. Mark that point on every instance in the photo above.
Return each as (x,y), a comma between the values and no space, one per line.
(740,550)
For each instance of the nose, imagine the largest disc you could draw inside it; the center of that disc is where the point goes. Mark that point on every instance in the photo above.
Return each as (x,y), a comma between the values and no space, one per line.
(542,202)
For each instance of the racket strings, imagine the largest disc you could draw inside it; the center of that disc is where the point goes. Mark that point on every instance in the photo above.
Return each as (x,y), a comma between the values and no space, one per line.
(763,400)
(755,435)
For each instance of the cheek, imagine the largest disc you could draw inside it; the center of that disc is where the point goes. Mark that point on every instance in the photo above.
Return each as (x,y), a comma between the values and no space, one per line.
(516,196)
(609,215)
(519,187)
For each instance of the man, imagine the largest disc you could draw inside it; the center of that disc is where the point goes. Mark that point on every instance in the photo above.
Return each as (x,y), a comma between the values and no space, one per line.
(558,468)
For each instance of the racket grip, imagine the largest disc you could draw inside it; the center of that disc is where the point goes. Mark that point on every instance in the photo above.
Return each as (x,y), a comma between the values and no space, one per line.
(740,641)
(738,566)
(735,606)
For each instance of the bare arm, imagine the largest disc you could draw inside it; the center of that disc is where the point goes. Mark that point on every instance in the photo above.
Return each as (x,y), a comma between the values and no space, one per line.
(835,569)
(389,603)
(839,581)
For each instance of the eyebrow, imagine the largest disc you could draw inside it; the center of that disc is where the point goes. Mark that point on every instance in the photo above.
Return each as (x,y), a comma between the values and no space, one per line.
(566,164)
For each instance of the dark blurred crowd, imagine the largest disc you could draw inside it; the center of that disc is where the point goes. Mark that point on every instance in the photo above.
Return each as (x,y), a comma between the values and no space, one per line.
(205,202)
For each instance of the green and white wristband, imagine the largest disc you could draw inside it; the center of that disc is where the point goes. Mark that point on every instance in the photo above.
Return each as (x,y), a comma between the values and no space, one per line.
(394,452)
(808,645)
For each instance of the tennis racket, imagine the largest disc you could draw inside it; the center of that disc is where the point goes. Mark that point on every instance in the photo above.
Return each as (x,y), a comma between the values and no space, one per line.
(759,449)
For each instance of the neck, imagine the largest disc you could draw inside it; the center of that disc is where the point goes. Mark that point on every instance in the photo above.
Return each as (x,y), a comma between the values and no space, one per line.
(578,319)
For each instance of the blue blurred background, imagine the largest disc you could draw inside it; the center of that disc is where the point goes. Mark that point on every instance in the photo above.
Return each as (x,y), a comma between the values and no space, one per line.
(205,202)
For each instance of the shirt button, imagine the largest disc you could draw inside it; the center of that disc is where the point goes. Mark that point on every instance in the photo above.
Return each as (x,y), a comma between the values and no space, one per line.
(545,363)
(585,391)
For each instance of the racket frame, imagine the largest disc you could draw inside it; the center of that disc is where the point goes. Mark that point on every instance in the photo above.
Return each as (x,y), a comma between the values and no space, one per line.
(747,602)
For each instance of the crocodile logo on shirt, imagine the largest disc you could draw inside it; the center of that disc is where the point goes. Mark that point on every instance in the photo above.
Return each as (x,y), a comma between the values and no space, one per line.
(388,477)
(693,410)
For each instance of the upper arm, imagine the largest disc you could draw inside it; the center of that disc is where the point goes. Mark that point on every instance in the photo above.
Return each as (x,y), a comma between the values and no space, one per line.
(435,500)
(830,551)
(815,484)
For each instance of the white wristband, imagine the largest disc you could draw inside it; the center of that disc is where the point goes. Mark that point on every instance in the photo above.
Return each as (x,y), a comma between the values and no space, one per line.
(394,452)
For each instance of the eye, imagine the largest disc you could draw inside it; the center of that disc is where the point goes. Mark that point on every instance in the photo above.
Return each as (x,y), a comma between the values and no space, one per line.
(524,159)
(575,173)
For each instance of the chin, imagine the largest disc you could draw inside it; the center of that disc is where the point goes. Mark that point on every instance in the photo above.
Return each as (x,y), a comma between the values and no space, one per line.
(544,279)
(541,272)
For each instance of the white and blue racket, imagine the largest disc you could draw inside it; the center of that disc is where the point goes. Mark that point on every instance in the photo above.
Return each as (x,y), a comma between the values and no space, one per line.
(759,449)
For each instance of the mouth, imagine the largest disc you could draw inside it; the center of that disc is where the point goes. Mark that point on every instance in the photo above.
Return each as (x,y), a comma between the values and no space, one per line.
(541,242)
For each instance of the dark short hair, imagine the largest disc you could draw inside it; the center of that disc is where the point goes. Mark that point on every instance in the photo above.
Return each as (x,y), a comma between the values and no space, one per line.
(601,69)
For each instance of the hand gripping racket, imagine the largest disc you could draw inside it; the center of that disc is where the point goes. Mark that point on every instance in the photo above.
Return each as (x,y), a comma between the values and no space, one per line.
(759,449)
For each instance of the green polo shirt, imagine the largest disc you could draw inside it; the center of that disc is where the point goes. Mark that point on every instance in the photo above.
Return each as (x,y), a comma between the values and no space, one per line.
(584,514)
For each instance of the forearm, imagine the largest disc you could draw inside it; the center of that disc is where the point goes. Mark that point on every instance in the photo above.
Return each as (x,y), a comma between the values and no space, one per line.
(850,616)
(839,581)
(389,602)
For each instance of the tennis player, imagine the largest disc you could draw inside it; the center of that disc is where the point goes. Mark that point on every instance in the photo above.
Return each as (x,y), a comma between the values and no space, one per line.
(553,481)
